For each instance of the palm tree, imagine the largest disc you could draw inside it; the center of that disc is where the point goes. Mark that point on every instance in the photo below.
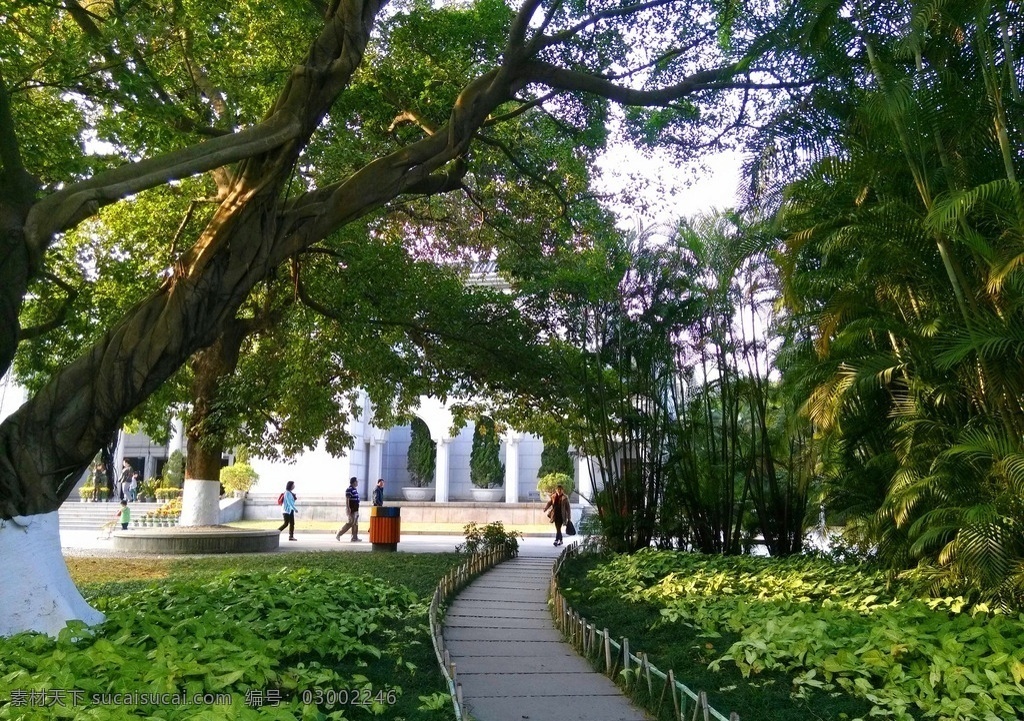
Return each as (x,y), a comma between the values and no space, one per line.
(903,251)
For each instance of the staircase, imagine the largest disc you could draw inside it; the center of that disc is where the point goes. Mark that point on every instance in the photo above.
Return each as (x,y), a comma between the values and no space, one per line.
(90,516)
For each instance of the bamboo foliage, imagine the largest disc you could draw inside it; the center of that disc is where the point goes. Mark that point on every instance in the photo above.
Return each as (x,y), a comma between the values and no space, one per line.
(903,256)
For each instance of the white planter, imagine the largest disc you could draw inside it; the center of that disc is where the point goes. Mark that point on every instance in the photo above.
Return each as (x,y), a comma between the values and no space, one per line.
(487,495)
(413,493)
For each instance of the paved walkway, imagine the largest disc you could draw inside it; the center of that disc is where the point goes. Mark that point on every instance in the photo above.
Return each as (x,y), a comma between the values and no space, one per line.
(510,660)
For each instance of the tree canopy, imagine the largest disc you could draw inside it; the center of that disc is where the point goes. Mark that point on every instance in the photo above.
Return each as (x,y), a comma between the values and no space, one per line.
(272,127)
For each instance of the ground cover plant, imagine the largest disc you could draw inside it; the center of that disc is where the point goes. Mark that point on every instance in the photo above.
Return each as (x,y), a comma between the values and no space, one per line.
(310,636)
(806,638)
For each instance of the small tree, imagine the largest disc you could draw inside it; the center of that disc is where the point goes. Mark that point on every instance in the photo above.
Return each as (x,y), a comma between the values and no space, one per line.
(485,467)
(238,477)
(555,457)
(174,471)
(422,459)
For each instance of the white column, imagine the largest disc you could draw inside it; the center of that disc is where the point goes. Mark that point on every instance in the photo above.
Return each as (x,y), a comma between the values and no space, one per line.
(512,439)
(585,480)
(375,463)
(177,442)
(118,457)
(441,471)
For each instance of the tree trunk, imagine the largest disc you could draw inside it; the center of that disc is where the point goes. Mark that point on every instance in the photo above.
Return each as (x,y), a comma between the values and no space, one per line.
(30,547)
(200,501)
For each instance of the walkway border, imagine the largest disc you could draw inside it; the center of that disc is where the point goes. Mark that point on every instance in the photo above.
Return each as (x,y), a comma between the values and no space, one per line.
(598,646)
(449,586)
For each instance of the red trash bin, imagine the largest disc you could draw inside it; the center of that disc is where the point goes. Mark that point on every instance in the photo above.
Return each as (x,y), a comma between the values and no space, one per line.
(385,527)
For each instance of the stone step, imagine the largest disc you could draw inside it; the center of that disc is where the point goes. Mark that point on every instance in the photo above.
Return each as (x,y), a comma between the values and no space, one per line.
(84,516)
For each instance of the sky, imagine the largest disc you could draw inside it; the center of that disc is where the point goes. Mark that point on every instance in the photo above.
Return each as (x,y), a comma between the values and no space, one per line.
(650,191)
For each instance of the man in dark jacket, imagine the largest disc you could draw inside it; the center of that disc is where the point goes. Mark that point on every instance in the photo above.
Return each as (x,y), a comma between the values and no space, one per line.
(352,507)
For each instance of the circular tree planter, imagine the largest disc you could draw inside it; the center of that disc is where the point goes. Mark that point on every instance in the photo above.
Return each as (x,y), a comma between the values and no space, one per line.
(415,493)
(487,495)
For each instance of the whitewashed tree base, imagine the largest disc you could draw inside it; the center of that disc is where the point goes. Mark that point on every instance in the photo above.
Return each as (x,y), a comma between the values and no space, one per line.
(200,503)
(36,590)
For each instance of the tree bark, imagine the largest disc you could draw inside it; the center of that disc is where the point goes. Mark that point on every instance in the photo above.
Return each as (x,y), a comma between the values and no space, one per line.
(204,438)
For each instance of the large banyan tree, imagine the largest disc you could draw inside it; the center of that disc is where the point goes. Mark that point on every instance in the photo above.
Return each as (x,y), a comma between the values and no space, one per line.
(296,119)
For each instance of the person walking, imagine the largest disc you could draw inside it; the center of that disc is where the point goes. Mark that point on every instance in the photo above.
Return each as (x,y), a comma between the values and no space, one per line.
(560,511)
(378,493)
(352,507)
(288,508)
(125,480)
(133,488)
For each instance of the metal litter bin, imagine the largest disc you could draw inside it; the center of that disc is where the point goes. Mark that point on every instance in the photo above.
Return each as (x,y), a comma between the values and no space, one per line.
(385,527)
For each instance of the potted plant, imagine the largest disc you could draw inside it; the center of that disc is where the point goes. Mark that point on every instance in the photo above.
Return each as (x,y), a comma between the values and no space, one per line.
(421,462)
(85,493)
(486,471)
(238,478)
(147,492)
(166,494)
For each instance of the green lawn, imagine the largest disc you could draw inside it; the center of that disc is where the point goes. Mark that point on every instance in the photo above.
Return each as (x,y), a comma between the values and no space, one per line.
(304,635)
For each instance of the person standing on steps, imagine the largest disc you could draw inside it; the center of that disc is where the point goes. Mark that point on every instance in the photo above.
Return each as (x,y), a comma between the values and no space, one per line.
(99,481)
(352,507)
(288,508)
(560,511)
(125,480)
(378,493)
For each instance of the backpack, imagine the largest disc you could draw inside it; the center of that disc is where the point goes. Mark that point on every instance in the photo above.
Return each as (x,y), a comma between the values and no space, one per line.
(280,500)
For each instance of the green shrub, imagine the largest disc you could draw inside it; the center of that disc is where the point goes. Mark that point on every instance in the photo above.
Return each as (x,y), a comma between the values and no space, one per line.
(257,644)
(485,467)
(492,537)
(174,471)
(833,629)
(548,483)
(555,457)
(238,477)
(422,458)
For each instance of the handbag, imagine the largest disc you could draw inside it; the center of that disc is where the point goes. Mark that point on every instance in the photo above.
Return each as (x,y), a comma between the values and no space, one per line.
(570,529)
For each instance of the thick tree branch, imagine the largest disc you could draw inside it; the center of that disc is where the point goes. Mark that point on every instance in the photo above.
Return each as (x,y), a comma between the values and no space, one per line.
(66,208)
(576,81)
(15,181)
(70,294)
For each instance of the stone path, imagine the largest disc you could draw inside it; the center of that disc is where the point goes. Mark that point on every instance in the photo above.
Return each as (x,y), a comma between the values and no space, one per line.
(510,660)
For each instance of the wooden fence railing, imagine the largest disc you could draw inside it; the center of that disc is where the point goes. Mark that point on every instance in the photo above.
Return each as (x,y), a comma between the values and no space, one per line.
(451,584)
(614,658)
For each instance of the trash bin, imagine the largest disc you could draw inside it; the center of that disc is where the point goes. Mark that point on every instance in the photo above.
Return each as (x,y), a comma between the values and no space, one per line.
(385,527)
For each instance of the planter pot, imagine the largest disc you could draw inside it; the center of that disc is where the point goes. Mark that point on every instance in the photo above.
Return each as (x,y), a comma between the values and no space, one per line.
(487,495)
(412,493)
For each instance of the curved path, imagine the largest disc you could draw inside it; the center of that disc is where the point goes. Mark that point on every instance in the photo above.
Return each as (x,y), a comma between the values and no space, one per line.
(512,663)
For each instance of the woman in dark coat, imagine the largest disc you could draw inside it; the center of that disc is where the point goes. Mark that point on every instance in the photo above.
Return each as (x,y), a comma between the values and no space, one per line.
(560,511)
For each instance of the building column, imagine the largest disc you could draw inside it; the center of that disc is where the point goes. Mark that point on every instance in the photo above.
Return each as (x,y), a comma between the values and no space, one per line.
(177,442)
(585,480)
(512,439)
(375,463)
(441,471)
